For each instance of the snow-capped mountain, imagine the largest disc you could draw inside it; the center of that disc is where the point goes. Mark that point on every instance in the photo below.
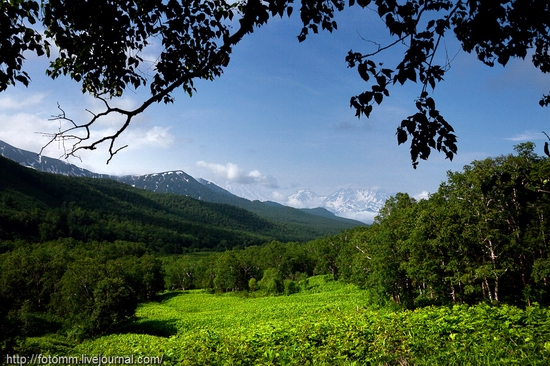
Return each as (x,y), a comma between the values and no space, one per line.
(356,204)
(44,163)
(176,181)
(355,200)
(360,204)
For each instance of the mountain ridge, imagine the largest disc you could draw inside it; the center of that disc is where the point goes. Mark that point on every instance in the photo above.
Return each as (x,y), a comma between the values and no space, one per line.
(360,204)
(179,182)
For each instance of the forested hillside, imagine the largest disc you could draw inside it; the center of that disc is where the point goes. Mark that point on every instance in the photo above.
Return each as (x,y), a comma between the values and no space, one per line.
(180,183)
(482,237)
(37,206)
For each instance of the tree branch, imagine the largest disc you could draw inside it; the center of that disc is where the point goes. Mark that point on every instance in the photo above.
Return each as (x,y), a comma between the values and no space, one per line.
(221,57)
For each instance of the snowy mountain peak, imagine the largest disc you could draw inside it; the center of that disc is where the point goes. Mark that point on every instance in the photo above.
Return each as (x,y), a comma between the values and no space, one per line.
(304,195)
(305,198)
(357,203)
(355,200)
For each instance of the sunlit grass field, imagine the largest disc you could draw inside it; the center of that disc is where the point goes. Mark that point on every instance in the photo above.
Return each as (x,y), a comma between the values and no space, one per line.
(190,311)
(327,323)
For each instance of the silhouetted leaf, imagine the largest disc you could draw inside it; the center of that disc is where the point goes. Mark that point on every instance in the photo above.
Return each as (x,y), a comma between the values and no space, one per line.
(362,69)
(411,74)
(401,136)
(387,72)
(430,103)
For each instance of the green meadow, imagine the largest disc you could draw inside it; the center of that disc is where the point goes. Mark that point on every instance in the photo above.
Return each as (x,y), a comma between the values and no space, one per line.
(327,323)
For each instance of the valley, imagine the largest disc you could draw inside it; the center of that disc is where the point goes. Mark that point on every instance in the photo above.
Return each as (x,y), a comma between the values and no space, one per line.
(345,202)
(90,265)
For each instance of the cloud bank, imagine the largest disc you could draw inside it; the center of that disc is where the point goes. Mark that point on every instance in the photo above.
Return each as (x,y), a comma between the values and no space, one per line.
(234,174)
(21,104)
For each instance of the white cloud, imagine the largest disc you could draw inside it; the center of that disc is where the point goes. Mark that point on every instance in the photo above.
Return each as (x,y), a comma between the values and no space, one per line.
(135,137)
(155,136)
(31,132)
(527,136)
(233,173)
(20,130)
(424,195)
(16,103)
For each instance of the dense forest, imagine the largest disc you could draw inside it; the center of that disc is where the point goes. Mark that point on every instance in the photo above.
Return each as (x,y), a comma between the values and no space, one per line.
(482,237)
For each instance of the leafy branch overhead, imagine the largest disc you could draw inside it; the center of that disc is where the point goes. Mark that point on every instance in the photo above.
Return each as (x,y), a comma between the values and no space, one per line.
(101,46)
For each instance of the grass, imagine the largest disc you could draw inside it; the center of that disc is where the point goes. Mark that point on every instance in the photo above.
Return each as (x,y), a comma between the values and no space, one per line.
(192,310)
(328,323)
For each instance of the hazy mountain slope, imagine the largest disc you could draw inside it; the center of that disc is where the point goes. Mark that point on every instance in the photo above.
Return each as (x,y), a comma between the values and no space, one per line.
(178,182)
(38,206)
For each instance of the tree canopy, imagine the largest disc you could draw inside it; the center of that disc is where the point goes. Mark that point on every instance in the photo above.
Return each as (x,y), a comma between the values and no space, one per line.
(100,43)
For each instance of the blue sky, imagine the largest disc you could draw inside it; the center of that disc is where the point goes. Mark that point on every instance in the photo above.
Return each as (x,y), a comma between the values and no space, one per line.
(279,119)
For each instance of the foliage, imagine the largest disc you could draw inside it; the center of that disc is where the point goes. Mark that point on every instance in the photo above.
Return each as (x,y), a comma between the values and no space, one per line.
(271,282)
(273,268)
(77,255)
(77,289)
(102,49)
(328,325)
(179,273)
(461,276)
(482,237)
